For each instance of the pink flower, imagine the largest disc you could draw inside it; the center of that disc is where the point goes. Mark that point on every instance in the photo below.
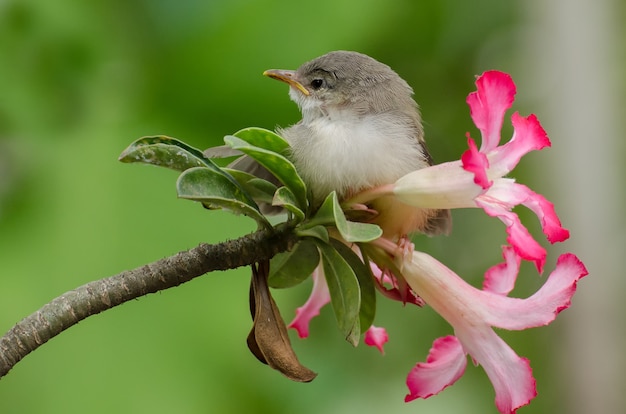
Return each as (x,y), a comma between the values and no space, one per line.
(472,313)
(478,178)
(376,336)
(319,297)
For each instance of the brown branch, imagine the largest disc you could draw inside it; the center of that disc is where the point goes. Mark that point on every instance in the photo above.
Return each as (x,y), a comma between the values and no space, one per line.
(100,295)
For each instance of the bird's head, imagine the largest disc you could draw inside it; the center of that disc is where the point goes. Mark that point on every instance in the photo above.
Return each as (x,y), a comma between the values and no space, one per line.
(341,81)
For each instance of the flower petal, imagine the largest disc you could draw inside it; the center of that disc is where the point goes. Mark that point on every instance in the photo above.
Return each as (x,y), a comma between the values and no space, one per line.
(320,296)
(550,223)
(541,308)
(473,312)
(501,278)
(476,162)
(440,186)
(528,135)
(494,95)
(508,194)
(510,375)
(518,236)
(376,336)
(445,364)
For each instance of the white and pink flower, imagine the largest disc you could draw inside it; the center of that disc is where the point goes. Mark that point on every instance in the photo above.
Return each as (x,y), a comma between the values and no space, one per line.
(476,180)
(472,313)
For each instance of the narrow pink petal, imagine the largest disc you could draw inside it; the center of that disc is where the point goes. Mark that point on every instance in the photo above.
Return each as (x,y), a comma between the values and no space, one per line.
(500,279)
(320,296)
(476,162)
(510,375)
(528,136)
(509,194)
(376,336)
(550,223)
(518,236)
(561,286)
(444,366)
(542,307)
(494,95)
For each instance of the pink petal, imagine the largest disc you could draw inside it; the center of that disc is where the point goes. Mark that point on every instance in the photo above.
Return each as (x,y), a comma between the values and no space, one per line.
(550,223)
(445,364)
(476,162)
(510,375)
(376,336)
(320,296)
(501,278)
(508,193)
(473,312)
(494,95)
(518,236)
(471,308)
(465,308)
(542,307)
(558,290)
(528,135)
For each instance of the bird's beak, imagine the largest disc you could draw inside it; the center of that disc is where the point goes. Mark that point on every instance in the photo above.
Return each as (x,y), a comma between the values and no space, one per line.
(287,76)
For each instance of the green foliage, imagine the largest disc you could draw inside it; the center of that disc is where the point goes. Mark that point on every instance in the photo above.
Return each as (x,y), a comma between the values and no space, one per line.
(165,152)
(285,198)
(364,275)
(291,268)
(217,190)
(344,292)
(264,138)
(330,213)
(261,190)
(277,164)
(349,279)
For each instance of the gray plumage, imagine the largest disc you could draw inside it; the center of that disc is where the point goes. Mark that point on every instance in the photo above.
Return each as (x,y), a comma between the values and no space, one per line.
(360,129)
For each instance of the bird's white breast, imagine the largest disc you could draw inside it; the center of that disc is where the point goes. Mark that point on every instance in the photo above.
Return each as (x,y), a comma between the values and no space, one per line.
(349,154)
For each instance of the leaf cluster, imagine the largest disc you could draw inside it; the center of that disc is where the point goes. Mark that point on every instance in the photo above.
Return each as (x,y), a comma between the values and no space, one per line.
(327,237)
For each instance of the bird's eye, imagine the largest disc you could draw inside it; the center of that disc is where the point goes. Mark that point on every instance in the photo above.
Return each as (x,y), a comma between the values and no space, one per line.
(317,83)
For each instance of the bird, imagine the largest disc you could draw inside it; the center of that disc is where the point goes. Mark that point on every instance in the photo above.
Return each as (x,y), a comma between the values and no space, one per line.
(360,129)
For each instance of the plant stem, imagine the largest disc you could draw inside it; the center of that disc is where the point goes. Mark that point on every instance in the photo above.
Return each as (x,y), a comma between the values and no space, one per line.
(97,296)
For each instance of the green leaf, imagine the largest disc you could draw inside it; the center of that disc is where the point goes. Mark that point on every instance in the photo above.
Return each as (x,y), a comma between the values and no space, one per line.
(171,153)
(215,190)
(330,213)
(165,152)
(285,198)
(363,272)
(317,232)
(275,163)
(291,268)
(263,138)
(344,292)
(259,189)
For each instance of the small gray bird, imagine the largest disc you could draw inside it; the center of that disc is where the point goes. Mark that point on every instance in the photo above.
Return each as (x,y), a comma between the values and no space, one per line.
(360,129)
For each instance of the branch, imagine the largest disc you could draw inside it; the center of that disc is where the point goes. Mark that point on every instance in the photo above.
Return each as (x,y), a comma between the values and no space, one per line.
(100,295)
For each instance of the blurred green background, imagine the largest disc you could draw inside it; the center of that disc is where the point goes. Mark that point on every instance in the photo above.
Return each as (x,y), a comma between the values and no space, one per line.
(80,80)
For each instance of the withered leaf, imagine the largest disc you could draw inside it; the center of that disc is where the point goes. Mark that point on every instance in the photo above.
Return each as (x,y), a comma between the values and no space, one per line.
(268,340)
